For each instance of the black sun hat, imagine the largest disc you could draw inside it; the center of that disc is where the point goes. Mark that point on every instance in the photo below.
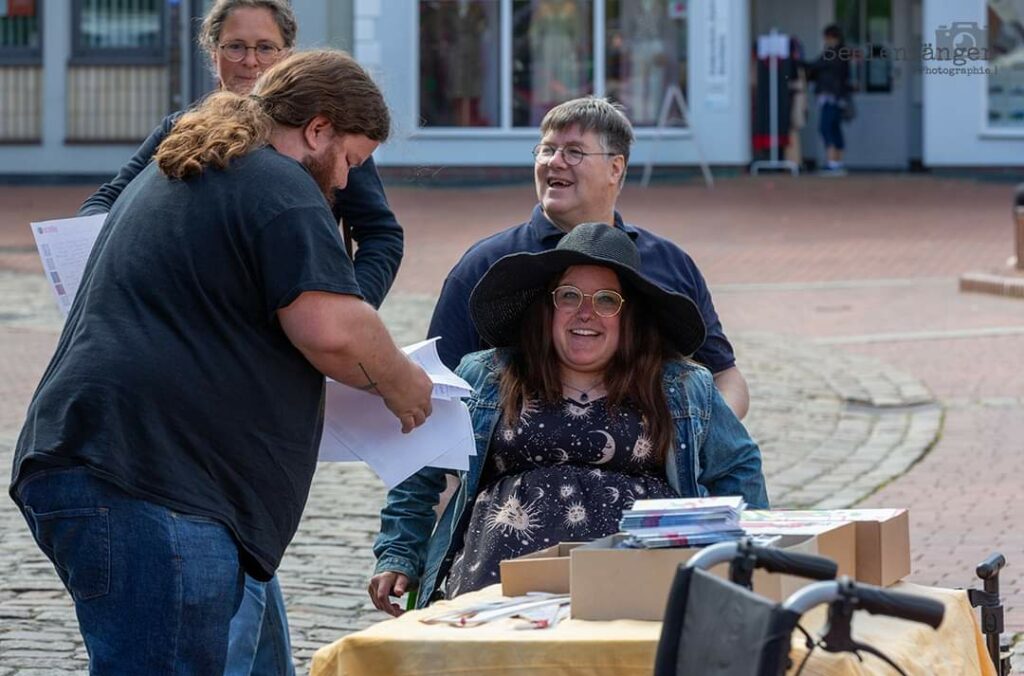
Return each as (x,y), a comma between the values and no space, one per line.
(515,281)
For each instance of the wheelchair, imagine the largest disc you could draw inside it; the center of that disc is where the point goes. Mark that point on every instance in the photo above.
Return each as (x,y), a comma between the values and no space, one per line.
(717,627)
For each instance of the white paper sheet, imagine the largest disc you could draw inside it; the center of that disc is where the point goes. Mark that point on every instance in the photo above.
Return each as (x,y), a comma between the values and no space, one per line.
(358,426)
(64,246)
(447,385)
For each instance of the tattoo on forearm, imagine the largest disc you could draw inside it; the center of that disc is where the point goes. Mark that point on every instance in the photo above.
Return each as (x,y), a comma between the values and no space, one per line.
(370,386)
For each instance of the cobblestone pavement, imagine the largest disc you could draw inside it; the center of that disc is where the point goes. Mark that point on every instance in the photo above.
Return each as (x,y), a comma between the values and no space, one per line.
(841,298)
(832,428)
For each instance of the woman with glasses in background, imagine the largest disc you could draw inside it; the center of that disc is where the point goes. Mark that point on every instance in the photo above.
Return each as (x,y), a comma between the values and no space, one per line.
(588,404)
(244,38)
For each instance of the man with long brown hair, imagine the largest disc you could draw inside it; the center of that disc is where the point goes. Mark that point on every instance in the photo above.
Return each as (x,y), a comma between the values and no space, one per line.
(172,441)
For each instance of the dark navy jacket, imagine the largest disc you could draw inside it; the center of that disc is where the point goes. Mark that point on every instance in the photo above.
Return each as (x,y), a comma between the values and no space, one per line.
(362,205)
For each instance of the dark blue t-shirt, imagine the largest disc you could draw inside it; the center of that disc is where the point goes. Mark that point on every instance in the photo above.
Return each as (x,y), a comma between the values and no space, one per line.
(173,377)
(660,261)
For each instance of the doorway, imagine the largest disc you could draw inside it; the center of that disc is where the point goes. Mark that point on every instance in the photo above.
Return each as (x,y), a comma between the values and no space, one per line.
(880,37)
(885,36)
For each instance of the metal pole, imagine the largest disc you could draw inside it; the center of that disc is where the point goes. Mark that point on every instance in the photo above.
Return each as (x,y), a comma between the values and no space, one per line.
(773,99)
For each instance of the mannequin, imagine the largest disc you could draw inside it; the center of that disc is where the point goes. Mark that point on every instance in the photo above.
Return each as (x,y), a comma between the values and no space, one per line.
(465,64)
(557,35)
(643,33)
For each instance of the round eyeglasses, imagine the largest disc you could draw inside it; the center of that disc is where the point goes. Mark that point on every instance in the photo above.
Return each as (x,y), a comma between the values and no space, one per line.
(266,52)
(607,303)
(543,154)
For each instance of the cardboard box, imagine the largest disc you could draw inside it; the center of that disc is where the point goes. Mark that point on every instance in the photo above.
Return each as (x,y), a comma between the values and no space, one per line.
(546,570)
(633,584)
(837,540)
(883,538)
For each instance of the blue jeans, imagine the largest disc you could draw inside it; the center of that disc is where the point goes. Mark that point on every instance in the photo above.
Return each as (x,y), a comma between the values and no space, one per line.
(831,125)
(258,643)
(154,590)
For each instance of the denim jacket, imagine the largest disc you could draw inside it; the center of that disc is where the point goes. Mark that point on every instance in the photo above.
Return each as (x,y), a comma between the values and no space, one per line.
(712,454)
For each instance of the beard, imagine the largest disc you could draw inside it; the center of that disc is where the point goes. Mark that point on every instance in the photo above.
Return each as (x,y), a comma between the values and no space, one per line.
(322,171)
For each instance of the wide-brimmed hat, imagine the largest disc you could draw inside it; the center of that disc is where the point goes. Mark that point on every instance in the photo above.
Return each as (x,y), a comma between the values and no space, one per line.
(514,282)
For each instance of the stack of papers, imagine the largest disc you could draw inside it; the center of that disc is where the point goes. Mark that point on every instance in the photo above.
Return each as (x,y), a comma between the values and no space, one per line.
(359,427)
(683,522)
(538,610)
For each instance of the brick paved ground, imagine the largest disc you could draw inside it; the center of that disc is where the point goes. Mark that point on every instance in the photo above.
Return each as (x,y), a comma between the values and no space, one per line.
(841,296)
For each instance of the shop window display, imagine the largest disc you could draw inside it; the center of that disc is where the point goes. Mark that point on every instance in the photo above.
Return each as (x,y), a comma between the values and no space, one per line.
(459,63)
(1005,86)
(645,55)
(552,56)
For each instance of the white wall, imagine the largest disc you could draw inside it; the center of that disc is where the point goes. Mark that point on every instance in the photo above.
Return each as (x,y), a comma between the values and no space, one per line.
(386,42)
(955,108)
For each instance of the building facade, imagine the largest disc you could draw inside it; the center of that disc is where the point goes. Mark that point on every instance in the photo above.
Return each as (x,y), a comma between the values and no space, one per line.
(939,82)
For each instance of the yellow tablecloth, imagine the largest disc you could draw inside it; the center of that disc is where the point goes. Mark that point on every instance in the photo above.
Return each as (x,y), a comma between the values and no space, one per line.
(406,646)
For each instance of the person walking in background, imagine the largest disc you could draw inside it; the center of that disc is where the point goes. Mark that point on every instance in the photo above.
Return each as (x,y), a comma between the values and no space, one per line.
(831,76)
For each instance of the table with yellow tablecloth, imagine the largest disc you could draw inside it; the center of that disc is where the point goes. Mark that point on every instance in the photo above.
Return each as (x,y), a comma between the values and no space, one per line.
(406,646)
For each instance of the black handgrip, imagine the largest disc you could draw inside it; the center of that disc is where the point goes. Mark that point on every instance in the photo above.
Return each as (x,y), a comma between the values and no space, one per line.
(794,563)
(898,604)
(991,566)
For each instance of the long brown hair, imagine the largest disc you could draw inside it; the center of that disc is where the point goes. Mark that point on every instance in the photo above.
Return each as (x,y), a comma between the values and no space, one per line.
(290,94)
(634,374)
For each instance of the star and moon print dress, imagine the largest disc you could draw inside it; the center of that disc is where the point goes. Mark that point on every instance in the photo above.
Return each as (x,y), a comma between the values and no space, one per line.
(564,472)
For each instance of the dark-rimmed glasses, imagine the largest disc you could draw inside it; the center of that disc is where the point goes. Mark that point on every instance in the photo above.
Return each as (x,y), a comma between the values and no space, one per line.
(543,154)
(607,303)
(266,52)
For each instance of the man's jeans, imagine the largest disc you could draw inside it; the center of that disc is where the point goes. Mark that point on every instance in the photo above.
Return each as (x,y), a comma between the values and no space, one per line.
(154,589)
(259,643)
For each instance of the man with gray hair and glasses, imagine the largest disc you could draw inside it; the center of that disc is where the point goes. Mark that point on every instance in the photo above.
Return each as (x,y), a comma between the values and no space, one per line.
(580,167)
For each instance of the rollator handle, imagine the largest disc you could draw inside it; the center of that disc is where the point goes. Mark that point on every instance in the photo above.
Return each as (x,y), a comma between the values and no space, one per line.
(991,566)
(795,563)
(898,604)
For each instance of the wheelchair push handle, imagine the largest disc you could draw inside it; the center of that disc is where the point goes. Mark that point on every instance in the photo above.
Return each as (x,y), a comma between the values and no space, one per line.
(897,604)
(794,563)
(990,567)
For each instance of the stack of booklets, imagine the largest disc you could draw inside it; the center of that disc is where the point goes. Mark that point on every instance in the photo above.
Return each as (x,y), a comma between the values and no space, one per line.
(683,522)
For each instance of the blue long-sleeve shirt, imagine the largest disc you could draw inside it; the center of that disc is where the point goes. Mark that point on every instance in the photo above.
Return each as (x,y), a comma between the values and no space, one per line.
(362,205)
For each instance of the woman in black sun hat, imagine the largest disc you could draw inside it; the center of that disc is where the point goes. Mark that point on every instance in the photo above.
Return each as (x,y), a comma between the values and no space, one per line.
(586,403)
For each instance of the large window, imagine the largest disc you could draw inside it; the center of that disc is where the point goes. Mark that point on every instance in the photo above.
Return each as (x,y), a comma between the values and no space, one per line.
(126,31)
(506,63)
(21,30)
(867,28)
(1006,63)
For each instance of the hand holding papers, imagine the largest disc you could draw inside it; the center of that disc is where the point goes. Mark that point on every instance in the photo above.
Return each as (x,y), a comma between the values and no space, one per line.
(358,426)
